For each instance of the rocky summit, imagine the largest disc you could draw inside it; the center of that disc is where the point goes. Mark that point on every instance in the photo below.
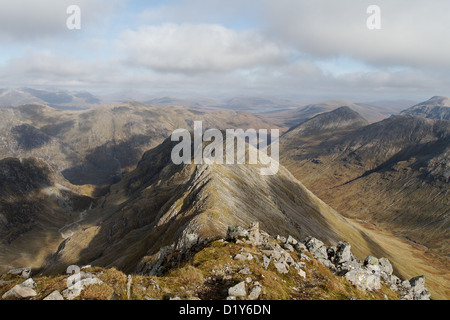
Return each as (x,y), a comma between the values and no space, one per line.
(246,264)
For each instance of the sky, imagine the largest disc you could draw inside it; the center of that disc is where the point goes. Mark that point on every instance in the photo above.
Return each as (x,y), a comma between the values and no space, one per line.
(293,49)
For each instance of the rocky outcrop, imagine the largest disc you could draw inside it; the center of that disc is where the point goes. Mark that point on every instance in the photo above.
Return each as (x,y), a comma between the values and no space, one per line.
(245,259)
(25,290)
(368,275)
(77,282)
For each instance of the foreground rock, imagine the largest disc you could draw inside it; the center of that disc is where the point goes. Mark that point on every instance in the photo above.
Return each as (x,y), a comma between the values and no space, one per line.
(367,276)
(55,295)
(25,290)
(248,264)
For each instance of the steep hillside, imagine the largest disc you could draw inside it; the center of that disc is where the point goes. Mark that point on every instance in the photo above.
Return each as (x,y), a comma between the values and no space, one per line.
(97,146)
(394,173)
(160,204)
(34,209)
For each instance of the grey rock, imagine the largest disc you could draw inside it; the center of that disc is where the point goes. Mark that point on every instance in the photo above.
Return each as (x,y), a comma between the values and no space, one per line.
(348,266)
(266,261)
(406,285)
(21,272)
(317,248)
(19,292)
(55,295)
(290,240)
(245,271)
(386,266)
(281,267)
(371,261)
(238,290)
(417,284)
(363,280)
(300,247)
(243,256)
(255,293)
(29,283)
(343,253)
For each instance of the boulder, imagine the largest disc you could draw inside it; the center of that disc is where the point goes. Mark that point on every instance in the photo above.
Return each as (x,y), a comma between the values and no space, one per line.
(372,264)
(363,280)
(371,261)
(300,247)
(255,293)
(21,272)
(343,253)
(417,284)
(266,262)
(55,295)
(19,292)
(243,256)
(290,240)
(281,267)
(254,236)
(29,283)
(317,248)
(238,290)
(386,266)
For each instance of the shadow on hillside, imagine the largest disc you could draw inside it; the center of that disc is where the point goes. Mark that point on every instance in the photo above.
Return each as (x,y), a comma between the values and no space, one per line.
(28,137)
(105,164)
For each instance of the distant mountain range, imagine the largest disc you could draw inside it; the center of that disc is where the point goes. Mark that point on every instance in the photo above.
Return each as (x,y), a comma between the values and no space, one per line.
(56,99)
(355,167)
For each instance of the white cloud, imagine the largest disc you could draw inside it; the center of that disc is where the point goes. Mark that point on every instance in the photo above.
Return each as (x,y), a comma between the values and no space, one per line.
(198,48)
(285,47)
(24,20)
(414,32)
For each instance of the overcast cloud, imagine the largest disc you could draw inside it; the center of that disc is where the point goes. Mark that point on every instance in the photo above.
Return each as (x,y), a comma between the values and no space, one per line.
(285,48)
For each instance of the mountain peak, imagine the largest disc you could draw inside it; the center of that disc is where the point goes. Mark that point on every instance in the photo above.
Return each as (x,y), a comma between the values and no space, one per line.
(438,107)
(341,118)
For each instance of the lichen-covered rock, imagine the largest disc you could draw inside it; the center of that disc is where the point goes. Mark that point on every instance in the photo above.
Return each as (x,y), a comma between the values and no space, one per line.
(317,248)
(238,290)
(386,266)
(55,295)
(255,293)
(19,292)
(363,279)
(21,272)
(343,253)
